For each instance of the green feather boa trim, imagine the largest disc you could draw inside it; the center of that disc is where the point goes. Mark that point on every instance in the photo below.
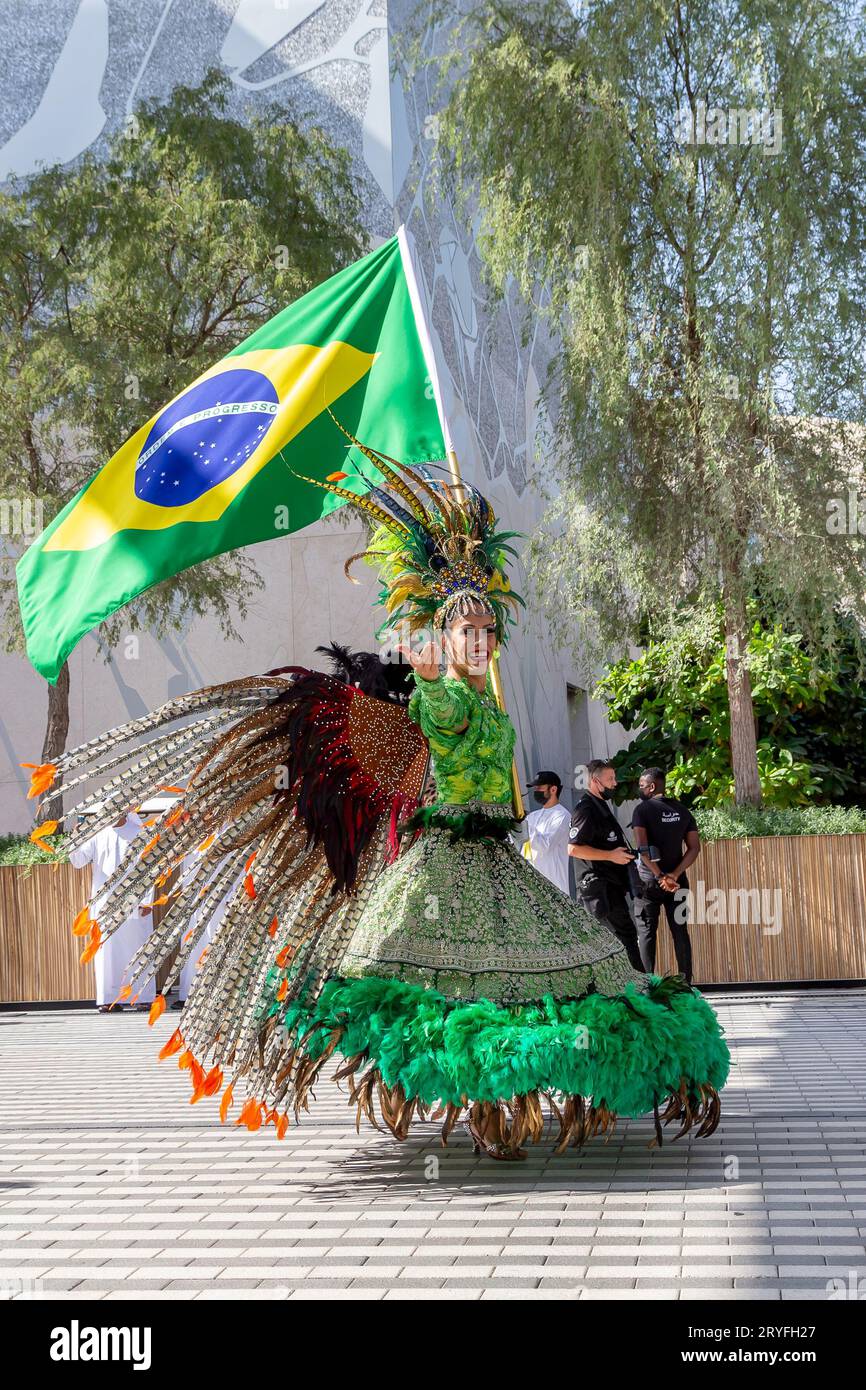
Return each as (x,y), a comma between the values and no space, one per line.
(623,1051)
(470,825)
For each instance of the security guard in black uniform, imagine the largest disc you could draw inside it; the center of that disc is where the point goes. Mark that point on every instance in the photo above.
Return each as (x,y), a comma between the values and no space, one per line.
(596,836)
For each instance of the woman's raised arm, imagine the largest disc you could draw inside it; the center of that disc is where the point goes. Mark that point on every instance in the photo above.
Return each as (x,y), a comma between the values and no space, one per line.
(444,707)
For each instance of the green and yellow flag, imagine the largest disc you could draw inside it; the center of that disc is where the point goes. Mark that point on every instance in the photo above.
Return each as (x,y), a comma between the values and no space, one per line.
(208,472)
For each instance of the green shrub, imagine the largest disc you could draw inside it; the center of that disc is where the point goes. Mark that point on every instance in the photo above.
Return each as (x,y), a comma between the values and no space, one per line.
(18,849)
(730,822)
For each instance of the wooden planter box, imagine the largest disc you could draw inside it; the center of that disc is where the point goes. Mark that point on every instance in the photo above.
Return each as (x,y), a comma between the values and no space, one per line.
(810,925)
(810,891)
(38,953)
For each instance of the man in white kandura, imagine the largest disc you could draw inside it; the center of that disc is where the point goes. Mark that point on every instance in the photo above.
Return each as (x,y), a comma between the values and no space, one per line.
(547,830)
(105,851)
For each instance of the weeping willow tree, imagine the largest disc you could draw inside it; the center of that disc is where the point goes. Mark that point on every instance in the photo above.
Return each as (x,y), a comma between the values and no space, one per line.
(678,188)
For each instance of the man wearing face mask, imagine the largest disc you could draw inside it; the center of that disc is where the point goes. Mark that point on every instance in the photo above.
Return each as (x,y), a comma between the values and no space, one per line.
(547,830)
(668,825)
(596,836)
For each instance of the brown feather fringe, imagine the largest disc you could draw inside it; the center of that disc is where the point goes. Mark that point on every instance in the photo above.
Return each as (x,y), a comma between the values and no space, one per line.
(499,1129)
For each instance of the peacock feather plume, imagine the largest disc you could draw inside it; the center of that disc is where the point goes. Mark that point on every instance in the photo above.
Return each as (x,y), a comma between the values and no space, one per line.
(432,543)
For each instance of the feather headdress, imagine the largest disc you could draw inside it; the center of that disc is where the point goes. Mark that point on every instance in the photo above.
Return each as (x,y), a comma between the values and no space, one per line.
(433,549)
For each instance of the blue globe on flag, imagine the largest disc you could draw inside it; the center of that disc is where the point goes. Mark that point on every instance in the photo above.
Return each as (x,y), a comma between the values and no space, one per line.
(205,436)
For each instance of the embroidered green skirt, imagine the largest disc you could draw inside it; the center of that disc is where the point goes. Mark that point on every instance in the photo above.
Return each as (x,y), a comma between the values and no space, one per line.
(473,983)
(469,916)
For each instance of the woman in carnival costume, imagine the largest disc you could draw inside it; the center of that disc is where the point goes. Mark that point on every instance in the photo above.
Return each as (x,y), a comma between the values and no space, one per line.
(408,945)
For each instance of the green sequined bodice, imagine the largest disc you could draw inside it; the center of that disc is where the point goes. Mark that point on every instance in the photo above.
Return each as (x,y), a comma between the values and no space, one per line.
(474,764)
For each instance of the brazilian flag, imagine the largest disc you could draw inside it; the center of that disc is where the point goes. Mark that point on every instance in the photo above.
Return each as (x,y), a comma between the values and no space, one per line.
(209,472)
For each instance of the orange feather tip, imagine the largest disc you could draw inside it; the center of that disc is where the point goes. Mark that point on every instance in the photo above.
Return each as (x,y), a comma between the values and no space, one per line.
(251,1115)
(228,1097)
(83,922)
(149,846)
(213,1081)
(157,1009)
(249,886)
(41,778)
(272,929)
(174,1044)
(92,947)
(37,836)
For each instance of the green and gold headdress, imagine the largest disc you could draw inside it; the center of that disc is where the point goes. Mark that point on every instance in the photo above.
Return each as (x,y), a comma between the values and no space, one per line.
(435,551)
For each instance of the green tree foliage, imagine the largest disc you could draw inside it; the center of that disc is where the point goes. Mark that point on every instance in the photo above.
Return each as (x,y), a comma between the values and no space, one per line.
(676,186)
(810,711)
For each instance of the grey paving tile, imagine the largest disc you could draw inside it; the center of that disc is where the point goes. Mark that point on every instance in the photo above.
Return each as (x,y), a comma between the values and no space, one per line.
(124,1193)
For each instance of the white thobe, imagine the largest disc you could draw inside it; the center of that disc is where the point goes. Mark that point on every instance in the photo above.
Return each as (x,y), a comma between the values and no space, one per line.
(105,851)
(547,830)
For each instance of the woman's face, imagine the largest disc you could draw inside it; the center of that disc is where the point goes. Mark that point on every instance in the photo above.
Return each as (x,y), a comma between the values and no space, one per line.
(470,641)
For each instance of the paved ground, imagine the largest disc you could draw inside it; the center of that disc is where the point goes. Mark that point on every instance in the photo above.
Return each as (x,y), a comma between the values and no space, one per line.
(112,1187)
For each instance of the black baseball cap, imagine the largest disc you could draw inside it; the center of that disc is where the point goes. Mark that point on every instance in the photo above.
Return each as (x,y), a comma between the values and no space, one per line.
(548,779)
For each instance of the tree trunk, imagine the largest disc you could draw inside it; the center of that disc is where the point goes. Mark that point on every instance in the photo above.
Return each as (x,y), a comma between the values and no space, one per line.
(744,743)
(56,731)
